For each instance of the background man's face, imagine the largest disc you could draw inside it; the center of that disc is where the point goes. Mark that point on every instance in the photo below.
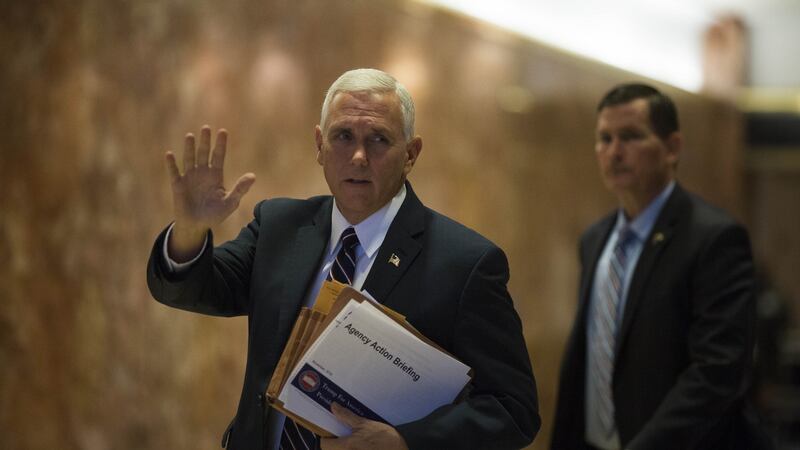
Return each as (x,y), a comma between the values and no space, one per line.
(363,152)
(633,159)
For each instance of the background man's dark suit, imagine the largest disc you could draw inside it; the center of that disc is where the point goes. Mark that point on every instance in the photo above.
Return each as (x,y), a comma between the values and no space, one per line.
(685,341)
(451,285)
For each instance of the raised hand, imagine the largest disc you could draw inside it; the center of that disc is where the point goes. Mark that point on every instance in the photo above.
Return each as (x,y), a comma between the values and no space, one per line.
(199,195)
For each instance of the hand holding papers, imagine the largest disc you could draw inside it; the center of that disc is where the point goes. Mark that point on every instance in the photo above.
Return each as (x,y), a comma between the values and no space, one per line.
(364,358)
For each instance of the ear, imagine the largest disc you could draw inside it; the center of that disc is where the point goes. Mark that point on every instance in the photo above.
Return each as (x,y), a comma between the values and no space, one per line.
(318,140)
(674,147)
(413,149)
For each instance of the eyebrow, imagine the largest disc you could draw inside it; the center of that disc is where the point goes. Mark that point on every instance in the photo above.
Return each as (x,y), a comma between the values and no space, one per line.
(380,129)
(337,128)
(621,129)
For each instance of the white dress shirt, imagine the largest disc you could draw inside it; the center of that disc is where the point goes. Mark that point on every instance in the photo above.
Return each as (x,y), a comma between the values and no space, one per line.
(641,227)
(371,233)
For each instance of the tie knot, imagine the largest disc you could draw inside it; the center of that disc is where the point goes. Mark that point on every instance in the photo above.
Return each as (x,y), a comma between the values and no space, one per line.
(625,236)
(349,238)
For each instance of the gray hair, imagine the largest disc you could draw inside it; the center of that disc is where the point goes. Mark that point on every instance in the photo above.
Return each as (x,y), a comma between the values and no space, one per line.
(372,80)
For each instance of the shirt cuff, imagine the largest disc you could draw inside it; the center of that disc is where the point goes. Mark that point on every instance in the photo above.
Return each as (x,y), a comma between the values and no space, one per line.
(176,267)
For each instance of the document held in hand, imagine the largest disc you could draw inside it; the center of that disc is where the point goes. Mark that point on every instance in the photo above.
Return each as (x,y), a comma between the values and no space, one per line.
(366,358)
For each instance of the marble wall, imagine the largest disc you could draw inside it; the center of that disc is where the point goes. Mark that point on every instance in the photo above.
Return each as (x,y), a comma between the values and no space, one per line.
(93,92)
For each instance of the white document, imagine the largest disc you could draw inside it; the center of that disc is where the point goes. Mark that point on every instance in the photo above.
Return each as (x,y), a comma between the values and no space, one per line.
(372,365)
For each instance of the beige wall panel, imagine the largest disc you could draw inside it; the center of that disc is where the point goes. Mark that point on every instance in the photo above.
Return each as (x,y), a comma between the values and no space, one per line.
(93,94)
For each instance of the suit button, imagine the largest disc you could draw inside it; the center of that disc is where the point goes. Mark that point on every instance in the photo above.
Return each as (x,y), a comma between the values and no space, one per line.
(261,399)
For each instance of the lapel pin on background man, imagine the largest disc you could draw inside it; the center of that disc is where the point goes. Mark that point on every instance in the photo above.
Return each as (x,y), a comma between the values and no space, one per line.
(661,349)
(451,284)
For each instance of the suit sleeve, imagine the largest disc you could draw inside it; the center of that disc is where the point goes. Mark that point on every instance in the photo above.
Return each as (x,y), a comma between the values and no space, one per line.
(501,410)
(720,343)
(216,284)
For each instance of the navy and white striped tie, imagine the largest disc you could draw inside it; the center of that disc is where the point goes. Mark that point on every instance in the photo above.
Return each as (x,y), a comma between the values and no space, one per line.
(344,266)
(603,332)
(343,270)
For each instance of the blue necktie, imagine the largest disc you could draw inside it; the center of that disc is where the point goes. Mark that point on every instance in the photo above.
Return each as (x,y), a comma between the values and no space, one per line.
(344,266)
(603,332)
(343,270)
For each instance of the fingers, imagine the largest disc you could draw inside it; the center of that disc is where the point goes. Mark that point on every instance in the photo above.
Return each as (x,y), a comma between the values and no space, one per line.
(218,155)
(188,152)
(332,443)
(197,157)
(345,415)
(172,168)
(204,147)
(240,188)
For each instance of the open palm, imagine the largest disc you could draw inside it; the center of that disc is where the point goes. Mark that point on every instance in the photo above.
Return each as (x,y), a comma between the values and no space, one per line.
(199,195)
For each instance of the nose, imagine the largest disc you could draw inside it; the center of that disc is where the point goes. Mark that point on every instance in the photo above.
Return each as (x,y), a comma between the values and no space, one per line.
(360,156)
(615,147)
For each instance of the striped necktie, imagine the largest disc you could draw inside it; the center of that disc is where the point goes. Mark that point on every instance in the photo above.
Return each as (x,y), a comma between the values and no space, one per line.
(343,270)
(344,266)
(603,330)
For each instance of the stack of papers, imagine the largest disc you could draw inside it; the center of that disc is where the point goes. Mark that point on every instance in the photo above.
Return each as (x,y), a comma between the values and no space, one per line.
(368,359)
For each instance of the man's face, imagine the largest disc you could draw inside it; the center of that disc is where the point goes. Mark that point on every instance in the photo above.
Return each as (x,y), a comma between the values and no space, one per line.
(363,152)
(634,161)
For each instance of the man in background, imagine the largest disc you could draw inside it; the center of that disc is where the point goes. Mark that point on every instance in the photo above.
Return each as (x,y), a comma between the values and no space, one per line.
(661,350)
(447,280)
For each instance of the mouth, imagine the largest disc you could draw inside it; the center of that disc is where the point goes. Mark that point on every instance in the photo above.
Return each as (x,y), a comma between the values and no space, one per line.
(356,181)
(618,170)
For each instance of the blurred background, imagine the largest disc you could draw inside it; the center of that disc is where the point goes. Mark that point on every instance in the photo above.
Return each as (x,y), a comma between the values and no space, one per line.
(93,92)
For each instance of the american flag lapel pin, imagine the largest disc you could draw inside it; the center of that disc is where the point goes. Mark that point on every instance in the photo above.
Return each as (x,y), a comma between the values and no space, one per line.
(395,260)
(658,237)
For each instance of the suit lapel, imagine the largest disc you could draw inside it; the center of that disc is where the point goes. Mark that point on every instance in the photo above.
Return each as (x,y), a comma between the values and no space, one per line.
(656,242)
(399,249)
(303,260)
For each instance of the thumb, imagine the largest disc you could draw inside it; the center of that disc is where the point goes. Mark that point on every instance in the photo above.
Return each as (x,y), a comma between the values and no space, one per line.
(240,188)
(346,416)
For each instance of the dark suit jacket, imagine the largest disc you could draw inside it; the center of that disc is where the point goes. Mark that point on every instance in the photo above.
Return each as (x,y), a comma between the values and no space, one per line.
(450,284)
(685,342)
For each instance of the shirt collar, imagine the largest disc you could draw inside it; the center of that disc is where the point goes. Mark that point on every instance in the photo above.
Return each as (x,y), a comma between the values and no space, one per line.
(644,222)
(372,230)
